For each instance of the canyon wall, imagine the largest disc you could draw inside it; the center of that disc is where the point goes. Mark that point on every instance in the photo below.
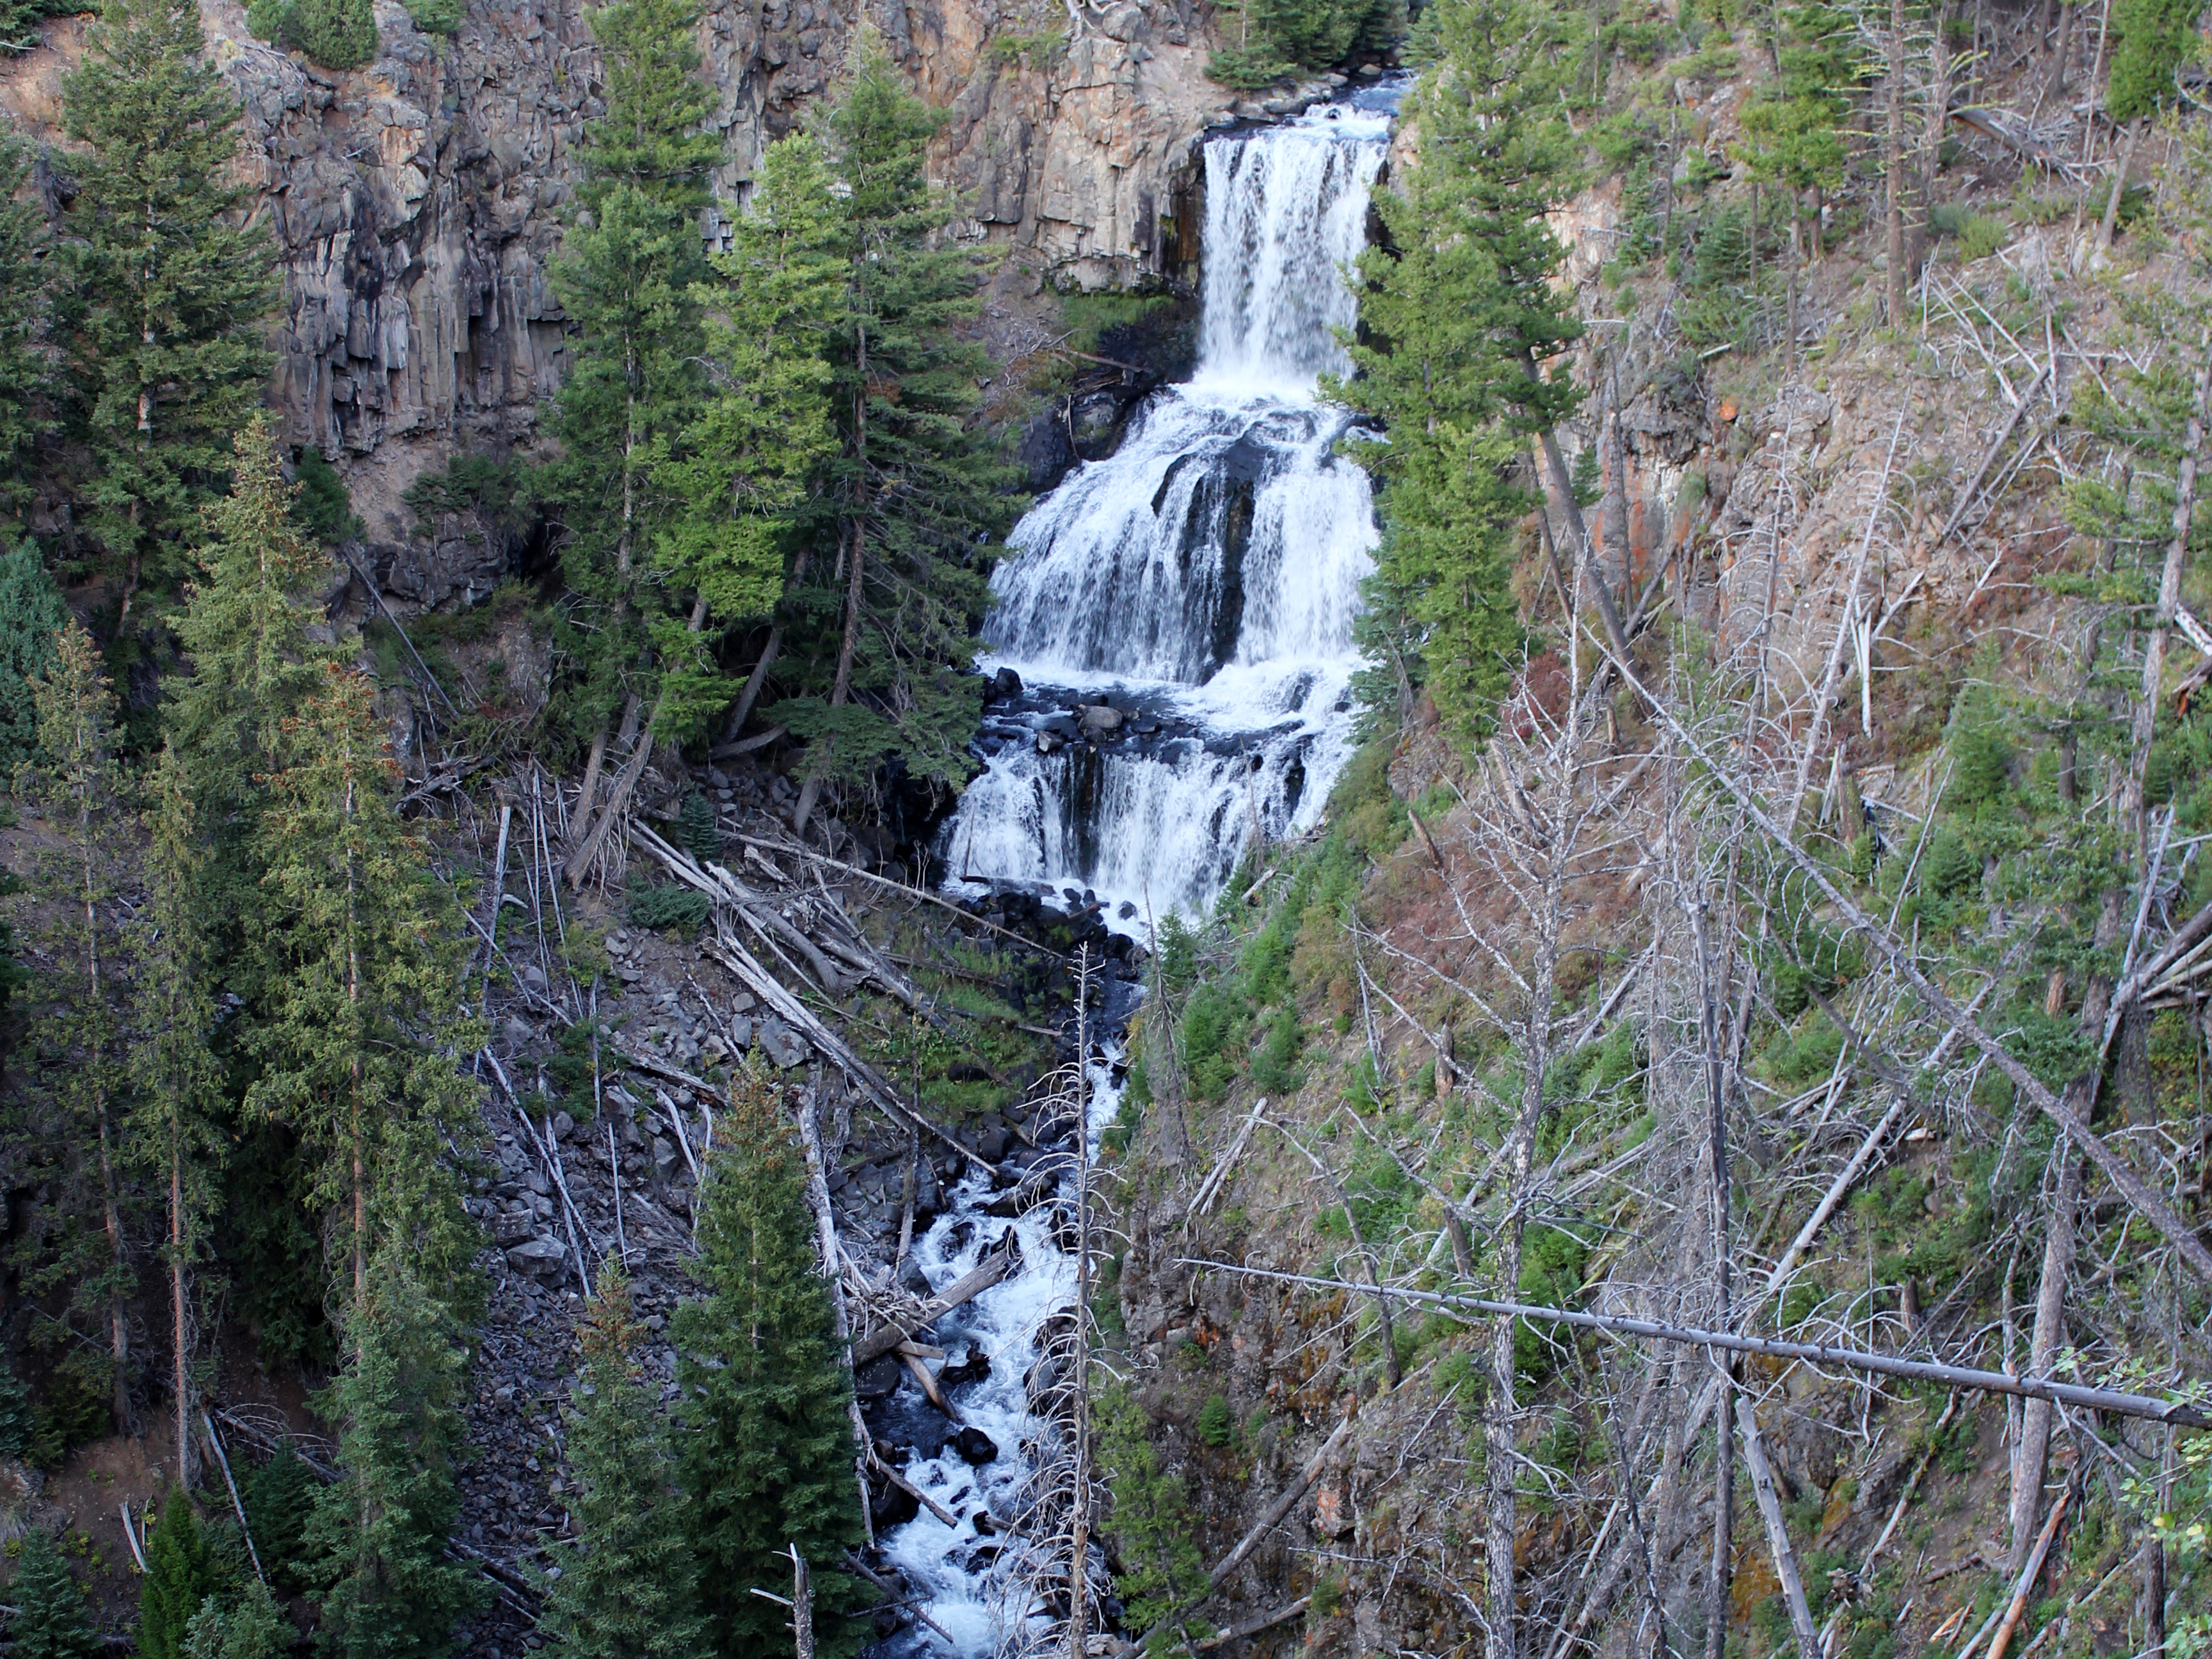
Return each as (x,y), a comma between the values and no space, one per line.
(419,201)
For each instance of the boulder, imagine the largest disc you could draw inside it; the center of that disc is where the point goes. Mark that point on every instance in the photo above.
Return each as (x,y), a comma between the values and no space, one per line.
(781,1044)
(974,1447)
(538,1256)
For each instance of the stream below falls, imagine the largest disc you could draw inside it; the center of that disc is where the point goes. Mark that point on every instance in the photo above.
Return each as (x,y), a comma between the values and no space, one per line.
(1198,586)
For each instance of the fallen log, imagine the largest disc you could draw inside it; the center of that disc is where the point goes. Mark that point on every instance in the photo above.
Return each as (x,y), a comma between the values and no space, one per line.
(1265,1621)
(1281,1507)
(764,985)
(987,1273)
(2181,1412)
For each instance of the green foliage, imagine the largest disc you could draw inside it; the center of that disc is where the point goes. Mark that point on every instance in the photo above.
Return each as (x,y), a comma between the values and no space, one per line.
(1216,1424)
(917,496)
(696,831)
(2155,37)
(30,616)
(171,277)
(768,1460)
(1553,1260)
(632,1591)
(321,503)
(1795,125)
(19,1425)
(337,34)
(1154,1532)
(27,296)
(361,966)
(279,1498)
(377,1539)
(248,1625)
(181,1574)
(630,275)
(664,906)
(51,1621)
(1273,38)
(1458,318)
(436,16)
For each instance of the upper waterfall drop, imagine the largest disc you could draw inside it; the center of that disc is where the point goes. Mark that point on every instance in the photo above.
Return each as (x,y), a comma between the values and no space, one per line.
(1196,590)
(1285,219)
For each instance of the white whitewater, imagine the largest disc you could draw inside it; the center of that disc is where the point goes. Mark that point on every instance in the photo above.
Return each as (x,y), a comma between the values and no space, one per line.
(1202,580)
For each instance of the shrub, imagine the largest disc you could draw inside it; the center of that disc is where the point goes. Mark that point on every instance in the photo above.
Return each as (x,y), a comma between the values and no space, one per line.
(1215,1425)
(338,34)
(436,16)
(657,908)
(696,831)
(322,507)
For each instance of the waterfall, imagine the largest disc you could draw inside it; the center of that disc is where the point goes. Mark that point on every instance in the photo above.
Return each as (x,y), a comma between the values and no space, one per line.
(1180,614)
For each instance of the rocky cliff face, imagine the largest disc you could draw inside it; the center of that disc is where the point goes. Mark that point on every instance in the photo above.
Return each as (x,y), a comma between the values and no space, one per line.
(419,201)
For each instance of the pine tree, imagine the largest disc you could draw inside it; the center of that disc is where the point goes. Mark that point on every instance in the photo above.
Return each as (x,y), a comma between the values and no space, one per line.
(918,496)
(181,1573)
(31,616)
(253,666)
(378,1537)
(628,275)
(631,1592)
(762,432)
(77,722)
(173,1128)
(25,304)
(768,1454)
(738,472)
(165,352)
(360,978)
(51,1621)
(249,1626)
(1794,124)
(1458,317)
(1152,1526)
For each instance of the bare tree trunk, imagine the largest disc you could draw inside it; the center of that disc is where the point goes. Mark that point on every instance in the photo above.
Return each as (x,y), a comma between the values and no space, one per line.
(1716,1571)
(848,646)
(758,677)
(1893,166)
(2120,183)
(802,1606)
(1939,117)
(2030,1453)
(580,861)
(2145,725)
(1777,1532)
(178,1327)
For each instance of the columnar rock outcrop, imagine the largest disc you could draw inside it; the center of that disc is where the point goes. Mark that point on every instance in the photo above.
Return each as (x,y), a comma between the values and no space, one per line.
(418,202)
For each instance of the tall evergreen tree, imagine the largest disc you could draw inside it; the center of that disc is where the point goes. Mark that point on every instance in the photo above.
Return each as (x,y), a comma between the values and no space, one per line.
(176,1132)
(631,1592)
(77,724)
(165,349)
(181,1573)
(768,1453)
(918,495)
(32,613)
(1458,320)
(628,274)
(25,304)
(764,428)
(738,472)
(245,633)
(51,1621)
(360,968)
(378,1535)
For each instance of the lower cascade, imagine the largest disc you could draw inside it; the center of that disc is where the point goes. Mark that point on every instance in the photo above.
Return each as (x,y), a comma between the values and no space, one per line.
(1180,614)
(1180,618)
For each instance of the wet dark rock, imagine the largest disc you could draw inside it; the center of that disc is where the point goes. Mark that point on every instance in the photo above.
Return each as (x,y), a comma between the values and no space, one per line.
(878,1379)
(974,1368)
(974,1446)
